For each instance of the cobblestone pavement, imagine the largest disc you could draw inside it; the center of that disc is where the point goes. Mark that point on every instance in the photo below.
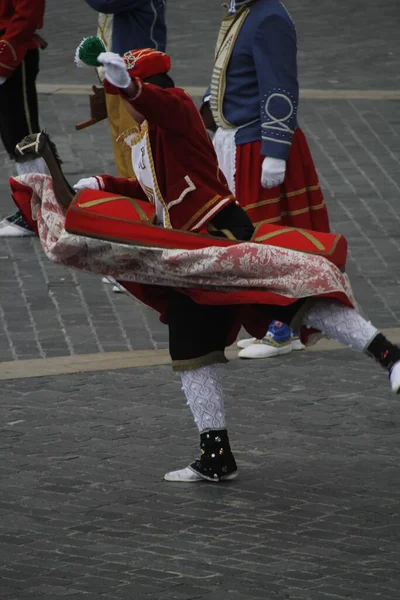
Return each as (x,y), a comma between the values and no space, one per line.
(350,45)
(313,514)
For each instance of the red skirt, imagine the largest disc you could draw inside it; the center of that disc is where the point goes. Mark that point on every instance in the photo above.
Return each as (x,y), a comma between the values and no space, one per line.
(298,202)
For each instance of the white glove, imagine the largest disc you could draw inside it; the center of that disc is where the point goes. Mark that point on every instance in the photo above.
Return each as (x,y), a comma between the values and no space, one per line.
(88,183)
(273,172)
(115,69)
(2,79)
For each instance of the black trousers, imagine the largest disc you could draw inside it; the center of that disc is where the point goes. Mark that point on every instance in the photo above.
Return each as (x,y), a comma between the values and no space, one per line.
(198,333)
(19,104)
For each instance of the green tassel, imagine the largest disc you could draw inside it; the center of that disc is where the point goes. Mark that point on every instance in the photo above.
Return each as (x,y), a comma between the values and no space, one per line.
(88,51)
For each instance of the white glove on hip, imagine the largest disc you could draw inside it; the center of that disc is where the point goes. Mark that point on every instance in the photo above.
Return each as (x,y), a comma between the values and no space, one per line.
(273,172)
(2,79)
(88,183)
(115,69)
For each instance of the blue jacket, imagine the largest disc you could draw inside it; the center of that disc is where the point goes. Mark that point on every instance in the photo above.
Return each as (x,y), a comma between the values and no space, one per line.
(262,90)
(137,23)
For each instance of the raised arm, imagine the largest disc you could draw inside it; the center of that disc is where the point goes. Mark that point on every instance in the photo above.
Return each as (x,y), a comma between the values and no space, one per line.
(169,108)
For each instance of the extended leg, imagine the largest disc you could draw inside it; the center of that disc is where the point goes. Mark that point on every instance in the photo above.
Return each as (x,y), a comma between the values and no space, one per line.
(197,341)
(345,325)
(205,398)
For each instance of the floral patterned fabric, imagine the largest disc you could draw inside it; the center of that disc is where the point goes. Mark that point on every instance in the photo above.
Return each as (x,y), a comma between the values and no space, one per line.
(245,273)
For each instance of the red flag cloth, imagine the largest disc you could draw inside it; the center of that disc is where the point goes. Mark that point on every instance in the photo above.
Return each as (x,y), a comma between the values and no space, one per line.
(103,215)
(210,270)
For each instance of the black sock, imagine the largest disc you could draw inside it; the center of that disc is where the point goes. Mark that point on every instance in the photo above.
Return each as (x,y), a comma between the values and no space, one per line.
(384,352)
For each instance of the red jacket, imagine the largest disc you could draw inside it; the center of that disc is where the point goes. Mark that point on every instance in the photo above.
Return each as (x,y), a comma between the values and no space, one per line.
(193,188)
(19,19)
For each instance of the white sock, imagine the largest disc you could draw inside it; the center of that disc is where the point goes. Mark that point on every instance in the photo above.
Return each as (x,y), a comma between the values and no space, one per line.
(37,165)
(205,397)
(340,323)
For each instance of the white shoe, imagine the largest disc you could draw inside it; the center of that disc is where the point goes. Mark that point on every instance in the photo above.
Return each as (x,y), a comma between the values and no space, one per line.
(265,349)
(118,289)
(187,475)
(395,377)
(246,342)
(296,344)
(8,229)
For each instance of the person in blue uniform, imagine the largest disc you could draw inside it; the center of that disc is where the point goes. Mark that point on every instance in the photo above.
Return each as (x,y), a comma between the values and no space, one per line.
(253,98)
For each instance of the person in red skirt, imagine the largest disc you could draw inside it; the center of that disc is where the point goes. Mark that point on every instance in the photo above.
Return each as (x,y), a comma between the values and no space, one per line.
(264,155)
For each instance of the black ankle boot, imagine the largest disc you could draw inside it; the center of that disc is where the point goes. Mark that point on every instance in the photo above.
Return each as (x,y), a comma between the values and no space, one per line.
(216,462)
(384,352)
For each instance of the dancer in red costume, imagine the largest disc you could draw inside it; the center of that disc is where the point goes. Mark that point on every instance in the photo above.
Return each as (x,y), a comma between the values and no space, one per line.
(199,289)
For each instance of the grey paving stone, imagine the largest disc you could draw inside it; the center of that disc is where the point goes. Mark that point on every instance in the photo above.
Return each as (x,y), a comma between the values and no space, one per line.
(313,513)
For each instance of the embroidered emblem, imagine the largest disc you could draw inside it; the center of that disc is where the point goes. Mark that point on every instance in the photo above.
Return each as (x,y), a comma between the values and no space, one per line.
(279,116)
(130,60)
(142,164)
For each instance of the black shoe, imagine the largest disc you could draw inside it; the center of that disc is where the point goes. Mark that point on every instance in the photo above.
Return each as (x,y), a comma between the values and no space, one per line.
(216,462)
(15,226)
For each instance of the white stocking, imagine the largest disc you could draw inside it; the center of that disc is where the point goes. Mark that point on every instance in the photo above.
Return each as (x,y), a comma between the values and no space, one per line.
(340,323)
(205,397)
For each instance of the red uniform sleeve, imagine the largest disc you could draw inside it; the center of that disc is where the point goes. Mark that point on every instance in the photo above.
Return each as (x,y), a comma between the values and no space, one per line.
(17,38)
(170,108)
(124,187)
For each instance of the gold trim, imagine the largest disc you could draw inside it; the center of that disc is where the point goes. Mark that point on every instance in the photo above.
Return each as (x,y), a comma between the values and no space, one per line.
(11,48)
(217,356)
(228,33)
(288,213)
(200,212)
(263,203)
(309,236)
(311,188)
(133,130)
(275,200)
(6,67)
(228,234)
(141,213)
(267,221)
(160,198)
(318,206)
(141,133)
(99,201)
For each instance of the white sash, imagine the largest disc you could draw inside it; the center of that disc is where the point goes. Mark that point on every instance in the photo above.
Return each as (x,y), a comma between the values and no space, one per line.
(143,166)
